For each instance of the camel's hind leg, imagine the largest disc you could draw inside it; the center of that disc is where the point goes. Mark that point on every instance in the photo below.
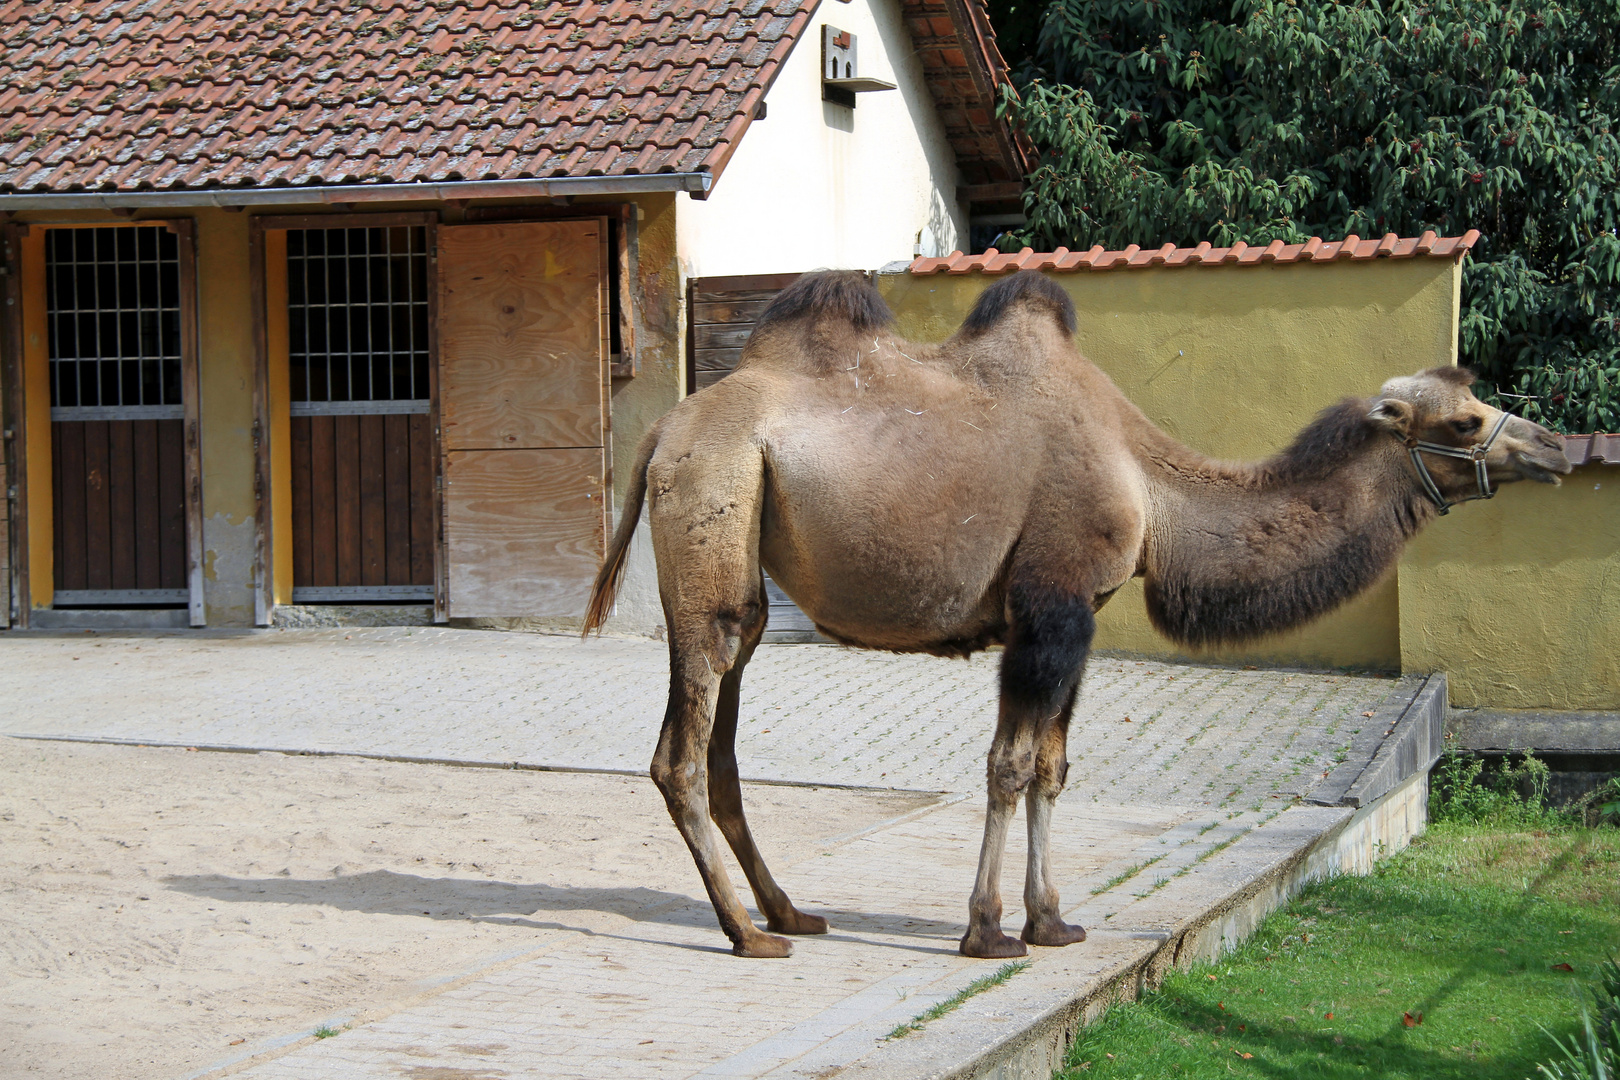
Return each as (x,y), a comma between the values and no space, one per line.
(1048,638)
(725,800)
(705,523)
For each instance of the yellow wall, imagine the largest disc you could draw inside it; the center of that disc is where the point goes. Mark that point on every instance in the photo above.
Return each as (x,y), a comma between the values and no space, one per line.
(225,378)
(1518,599)
(36,371)
(1233,361)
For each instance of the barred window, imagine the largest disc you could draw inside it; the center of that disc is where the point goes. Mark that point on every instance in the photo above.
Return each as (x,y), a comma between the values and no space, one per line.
(113,320)
(358,320)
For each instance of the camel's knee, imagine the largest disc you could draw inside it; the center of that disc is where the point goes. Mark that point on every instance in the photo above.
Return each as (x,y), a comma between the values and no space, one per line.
(1051,774)
(1009,772)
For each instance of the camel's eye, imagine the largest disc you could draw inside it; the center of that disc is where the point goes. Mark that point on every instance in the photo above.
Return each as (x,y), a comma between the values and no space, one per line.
(1468,426)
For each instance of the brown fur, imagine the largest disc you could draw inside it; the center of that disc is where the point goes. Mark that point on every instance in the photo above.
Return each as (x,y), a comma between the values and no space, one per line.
(995,488)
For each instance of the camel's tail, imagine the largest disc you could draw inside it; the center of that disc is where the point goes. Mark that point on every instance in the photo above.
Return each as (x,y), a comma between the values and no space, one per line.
(606,588)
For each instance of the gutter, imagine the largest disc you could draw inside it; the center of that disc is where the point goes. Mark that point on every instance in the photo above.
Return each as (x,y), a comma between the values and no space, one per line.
(348,194)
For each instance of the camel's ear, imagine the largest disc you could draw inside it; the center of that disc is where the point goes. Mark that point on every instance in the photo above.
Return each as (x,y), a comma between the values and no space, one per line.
(1392,414)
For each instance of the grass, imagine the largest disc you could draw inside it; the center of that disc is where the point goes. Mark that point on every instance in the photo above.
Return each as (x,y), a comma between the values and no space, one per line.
(324,1032)
(1446,962)
(950,1004)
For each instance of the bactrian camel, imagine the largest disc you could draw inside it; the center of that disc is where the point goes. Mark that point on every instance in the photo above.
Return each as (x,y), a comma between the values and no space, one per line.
(995,490)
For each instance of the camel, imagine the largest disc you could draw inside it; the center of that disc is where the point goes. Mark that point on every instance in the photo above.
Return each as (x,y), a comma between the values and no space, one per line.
(996,489)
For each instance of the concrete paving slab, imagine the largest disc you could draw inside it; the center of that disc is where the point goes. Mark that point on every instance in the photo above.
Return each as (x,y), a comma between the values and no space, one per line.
(1177,734)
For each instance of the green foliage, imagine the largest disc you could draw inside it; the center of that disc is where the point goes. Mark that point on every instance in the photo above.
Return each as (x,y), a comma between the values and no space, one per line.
(1223,120)
(1592,1053)
(1461,789)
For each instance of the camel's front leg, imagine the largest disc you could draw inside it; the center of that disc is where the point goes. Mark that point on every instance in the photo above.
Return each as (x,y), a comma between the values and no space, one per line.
(1012,764)
(1044,924)
(1049,634)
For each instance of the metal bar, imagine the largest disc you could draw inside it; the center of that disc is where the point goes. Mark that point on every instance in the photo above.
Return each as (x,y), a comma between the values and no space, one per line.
(101,597)
(346,194)
(315,594)
(118,412)
(360,408)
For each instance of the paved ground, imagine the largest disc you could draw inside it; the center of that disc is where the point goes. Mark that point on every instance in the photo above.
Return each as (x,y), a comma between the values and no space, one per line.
(1172,764)
(817,714)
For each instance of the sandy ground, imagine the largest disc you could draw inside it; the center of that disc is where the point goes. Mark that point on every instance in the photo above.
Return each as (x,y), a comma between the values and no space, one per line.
(167,911)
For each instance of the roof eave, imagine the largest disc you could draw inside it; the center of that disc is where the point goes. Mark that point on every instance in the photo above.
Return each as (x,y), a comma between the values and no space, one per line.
(350,194)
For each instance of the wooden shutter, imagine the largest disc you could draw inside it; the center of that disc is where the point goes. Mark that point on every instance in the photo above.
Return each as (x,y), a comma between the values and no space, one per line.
(720,314)
(523,378)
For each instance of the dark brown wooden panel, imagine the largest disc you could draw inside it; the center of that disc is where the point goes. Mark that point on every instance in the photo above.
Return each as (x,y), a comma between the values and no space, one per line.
(70,512)
(422,540)
(715,359)
(721,336)
(346,504)
(397,497)
(373,493)
(148,505)
(119,501)
(362,500)
(172,525)
(121,504)
(303,532)
(740,311)
(97,528)
(323,502)
(709,378)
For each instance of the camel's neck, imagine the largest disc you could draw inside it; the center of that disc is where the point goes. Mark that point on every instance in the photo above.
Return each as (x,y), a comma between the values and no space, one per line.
(1237,551)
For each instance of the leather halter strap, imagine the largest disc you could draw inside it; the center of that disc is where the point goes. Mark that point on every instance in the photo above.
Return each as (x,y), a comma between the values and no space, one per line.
(1475,453)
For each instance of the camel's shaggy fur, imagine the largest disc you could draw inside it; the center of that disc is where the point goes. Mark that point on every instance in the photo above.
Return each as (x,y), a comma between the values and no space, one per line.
(993,489)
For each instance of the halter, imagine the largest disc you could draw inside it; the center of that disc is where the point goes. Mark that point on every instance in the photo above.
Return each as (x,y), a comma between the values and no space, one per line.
(1475,453)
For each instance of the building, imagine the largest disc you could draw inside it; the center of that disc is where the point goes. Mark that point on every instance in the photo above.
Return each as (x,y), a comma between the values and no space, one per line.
(357,304)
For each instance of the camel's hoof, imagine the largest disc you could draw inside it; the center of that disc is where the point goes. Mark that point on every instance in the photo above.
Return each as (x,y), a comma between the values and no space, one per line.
(1053,934)
(763,945)
(998,947)
(797,922)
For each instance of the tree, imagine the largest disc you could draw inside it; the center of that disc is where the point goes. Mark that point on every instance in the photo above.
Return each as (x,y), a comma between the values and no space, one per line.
(1187,120)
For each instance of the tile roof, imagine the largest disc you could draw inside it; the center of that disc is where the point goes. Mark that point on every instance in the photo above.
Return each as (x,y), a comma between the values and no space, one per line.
(1239,254)
(170,95)
(965,71)
(1592,449)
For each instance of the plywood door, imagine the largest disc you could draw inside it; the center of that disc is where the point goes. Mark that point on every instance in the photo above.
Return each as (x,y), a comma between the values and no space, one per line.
(522,389)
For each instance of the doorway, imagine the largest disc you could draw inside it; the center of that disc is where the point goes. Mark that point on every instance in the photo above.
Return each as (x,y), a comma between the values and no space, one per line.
(116,349)
(360,397)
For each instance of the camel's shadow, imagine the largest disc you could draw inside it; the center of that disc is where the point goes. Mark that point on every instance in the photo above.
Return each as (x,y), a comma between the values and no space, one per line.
(387,892)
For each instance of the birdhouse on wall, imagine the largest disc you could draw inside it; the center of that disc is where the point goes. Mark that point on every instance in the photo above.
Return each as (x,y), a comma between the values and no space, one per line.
(840,72)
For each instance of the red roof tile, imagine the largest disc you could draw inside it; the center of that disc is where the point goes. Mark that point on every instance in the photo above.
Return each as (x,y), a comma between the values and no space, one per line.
(965,72)
(1240,254)
(164,95)
(1592,449)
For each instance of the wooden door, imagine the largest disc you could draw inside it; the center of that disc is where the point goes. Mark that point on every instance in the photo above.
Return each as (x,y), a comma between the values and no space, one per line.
(116,346)
(360,401)
(523,379)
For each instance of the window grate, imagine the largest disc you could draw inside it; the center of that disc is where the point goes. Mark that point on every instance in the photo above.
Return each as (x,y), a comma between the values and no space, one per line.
(357,317)
(113,319)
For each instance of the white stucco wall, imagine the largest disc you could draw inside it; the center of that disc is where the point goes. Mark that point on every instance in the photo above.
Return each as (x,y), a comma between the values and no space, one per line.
(817,185)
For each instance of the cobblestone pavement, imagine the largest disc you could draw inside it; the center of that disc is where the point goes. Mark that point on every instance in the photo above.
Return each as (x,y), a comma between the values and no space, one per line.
(1172,763)
(1143,732)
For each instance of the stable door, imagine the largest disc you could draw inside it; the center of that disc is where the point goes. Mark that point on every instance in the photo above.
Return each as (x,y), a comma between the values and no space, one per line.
(523,379)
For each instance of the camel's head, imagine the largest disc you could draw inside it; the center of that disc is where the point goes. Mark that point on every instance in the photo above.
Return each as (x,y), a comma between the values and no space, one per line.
(1435,413)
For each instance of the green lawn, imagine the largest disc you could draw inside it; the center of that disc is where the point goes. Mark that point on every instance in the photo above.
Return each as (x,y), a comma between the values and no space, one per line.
(1466,929)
